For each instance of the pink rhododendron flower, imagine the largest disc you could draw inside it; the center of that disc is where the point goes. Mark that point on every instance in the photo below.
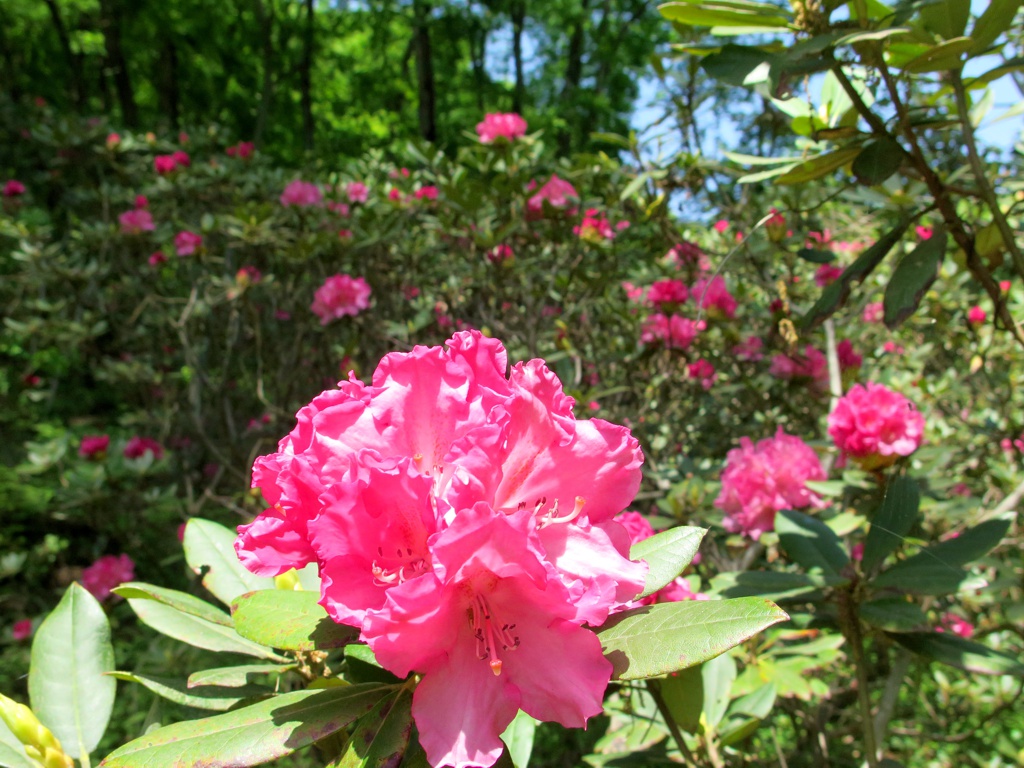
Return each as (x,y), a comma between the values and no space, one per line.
(447,489)
(187,243)
(826,274)
(507,126)
(875,425)
(94,446)
(849,360)
(595,227)
(1004,286)
(141,201)
(749,350)
(957,625)
(714,297)
(819,239)
(21,630)
(340,295)
(181,159)
(634,293)
(873,312)
(892,348)
(960,489)
(677,591)
(14,188)
(113,139)
(242,150)
(106,573)
(857,551)
(976,315)
(687,254)
(670,292)
(156,258)
(811,364)
(165,164)
(136,221)
(703,372)
(341,209)
(428,192)
(776,226)
(138,446)
(301,194)
(556,193)
(248,276)
(924,233)
(721,226)
(501,254)
(357,192)
(674,331)
(759,480)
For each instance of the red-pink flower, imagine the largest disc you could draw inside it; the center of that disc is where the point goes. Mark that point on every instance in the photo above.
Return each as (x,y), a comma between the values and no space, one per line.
(759,480)
(106,573)
(849,360)
(340,295)
(875,425)
(556,193)
(187,243)
(136,221)
(14,188)
(507,126)
(302,194)
(21,630)
(674,331)
(811,364)
(138,446)
(976,315)
(1004,286)
(826,274)
(357,192)
(702,371)
(157,258)
(165,164)
(113,139)
(749,350)
(501,254)
(595,227)
(428,192)
(720,226)
(776,226)
(714,297)
(873,312)
(94,446)
(248,276)
(181,159)
(957,625)
(243,150)
(924,233)
(667,292)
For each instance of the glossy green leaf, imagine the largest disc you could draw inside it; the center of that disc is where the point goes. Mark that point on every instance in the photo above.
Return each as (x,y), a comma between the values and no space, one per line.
(996,19)
(880,159)
(777,586)
(380,737)
(894,614)
(68,685)
(290,620)
(251,735)
(717,675)
(944,56)
(892,522)
(819,166)
(720,14)
(12,751)
(518,738)
(667,554)
(960,652)
(946,18)
(180,601)
(746,713)
(210,547)
(195,630)
(816,255)
(236,677)
(657,639)
(217,699)
(833,297)
(1015,64)
(872,35)
(927,577)
(683,694)
(736,64)
(912,277)
(810,543)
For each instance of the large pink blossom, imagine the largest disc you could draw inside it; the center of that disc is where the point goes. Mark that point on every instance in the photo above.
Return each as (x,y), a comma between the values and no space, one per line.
(106,573)
(94,447)
(674,331)
(875,425)
(505,126)
(714,297)
(138,446)
(187,243)
(759,480)
(340,295)
(136,221)
(357,192)
(13,188)
(302,194)
(670,292)
(595,227)
(556,193)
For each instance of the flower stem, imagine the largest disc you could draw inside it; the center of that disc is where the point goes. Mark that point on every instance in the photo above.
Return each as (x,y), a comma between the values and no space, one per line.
(655,690)
(849,621)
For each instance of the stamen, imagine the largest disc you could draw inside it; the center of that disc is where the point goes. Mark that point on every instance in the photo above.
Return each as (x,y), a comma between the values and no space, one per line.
(552,516)
(488,636)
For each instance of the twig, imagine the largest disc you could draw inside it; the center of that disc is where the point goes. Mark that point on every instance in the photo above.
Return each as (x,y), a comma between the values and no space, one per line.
(655,690)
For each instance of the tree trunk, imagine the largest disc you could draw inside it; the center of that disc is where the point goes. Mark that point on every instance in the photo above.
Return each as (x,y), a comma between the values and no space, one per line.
(266,18)
(117,63)
(306,78)
(425,72)
(73,63)
(170,96)
(573,76)
(518,13)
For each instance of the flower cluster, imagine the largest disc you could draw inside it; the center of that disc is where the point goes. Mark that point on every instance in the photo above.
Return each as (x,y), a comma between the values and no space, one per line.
(166,164)
(461,518)
(139,446)
(556,194)
(302,194)
(106,573)
(340,295)
(187,243)
(506,126)
(875,425)
(759,480)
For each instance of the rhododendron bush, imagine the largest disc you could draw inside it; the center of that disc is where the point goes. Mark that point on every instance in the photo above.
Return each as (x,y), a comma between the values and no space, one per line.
(485,458)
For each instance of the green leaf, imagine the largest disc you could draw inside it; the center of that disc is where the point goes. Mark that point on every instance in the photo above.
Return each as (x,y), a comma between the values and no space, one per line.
(816,256)
(750,178)
(944,56)
(211,546)
(961,653)
(777,586)
(719,14)
(873,35)
(810,543)
(1015,64)
(290,620)
(180,601)
(195,630)
(518,737)
(736,64)
(880,159)
(251,735)
(746,713)
(70,691)
(819,166)
(946,18)
(927,577)
(995,20)
(657,639)
(894,614)
(381,736)
(12,751)
(912,277)
(833,297)
(217,699)
(236,677)
(683,694)
(667,554)
(893,520)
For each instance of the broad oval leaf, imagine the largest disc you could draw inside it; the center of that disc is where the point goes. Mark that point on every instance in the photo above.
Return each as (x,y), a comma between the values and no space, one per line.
(217,699)
(236,677)
(181,601)
(666,637)
(518,737)
(944,56)
(879,160)
(380,737)
(667,554)
(720,15)
(912,277)
(195,630)
(995,20)
(810,543)
(211,547)
(251,735)
(777,586)
(290,620)
(894,615)
(68,684)
(893,520)
(819,166)
(961,653)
